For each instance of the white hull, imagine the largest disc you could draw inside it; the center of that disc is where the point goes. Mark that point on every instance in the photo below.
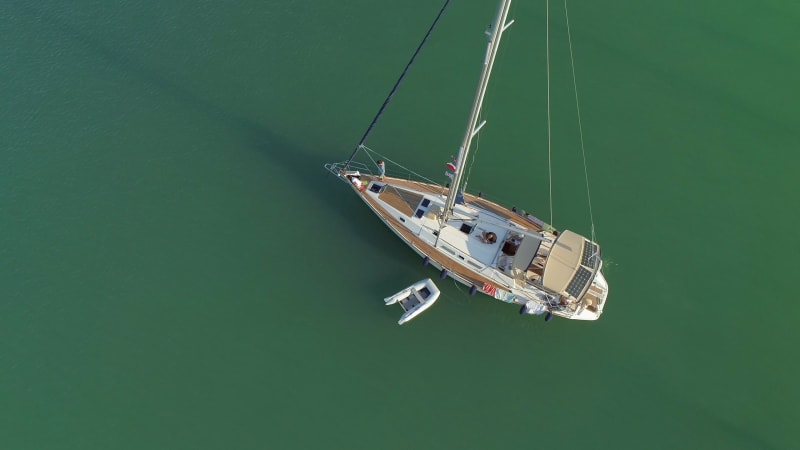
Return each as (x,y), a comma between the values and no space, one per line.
(483,267)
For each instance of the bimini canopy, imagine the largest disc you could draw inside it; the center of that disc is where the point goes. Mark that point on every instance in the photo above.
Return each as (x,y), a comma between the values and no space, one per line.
(571,265)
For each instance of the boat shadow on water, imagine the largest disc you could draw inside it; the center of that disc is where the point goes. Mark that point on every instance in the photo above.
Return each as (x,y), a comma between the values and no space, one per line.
(294,162)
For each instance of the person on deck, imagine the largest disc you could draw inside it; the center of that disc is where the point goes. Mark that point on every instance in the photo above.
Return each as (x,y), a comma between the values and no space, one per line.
(488,238)
(357,182)
(381,169)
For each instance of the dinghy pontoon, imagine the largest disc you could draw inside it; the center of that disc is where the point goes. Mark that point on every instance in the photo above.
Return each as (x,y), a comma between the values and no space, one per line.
(414,299)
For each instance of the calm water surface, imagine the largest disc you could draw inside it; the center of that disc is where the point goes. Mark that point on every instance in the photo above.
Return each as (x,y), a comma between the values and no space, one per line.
(177,271)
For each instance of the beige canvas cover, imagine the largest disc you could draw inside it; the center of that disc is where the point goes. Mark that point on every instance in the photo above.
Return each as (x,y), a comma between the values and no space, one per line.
(563,262)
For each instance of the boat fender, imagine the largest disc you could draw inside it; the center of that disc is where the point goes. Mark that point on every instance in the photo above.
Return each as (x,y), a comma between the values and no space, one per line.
(548,317)
(426,261)
(522,310)
(443,275)
(473,290)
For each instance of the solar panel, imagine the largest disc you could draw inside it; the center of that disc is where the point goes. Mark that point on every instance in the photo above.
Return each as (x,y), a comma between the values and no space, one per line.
(579,281)
(589,250)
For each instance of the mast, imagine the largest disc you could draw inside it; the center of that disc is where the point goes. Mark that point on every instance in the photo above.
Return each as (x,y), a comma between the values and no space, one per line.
(495,33)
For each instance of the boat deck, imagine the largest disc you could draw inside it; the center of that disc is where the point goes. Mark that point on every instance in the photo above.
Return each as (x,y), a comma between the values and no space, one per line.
(396,196)
(400,200)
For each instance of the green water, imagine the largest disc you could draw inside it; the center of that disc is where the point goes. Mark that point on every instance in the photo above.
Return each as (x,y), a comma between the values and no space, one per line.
(177,271)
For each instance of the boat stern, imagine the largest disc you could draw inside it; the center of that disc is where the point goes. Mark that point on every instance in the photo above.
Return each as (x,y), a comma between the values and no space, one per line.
(573,270)
(595,298)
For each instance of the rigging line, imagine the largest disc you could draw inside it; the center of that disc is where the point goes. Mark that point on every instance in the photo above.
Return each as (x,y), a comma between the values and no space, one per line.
(549,147)
(485,109)
(580,125)
(394,163)
(472,158)
(396,85)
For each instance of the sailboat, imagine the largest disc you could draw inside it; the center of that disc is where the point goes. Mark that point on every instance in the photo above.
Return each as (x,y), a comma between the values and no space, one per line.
(504,252)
